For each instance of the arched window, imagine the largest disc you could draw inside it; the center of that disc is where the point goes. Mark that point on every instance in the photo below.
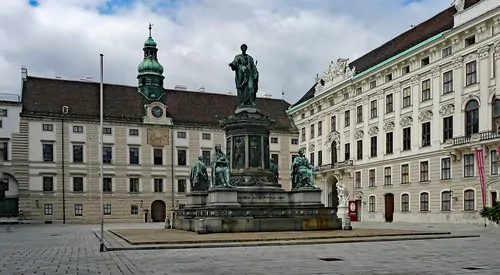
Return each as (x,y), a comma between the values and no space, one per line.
(469,200)
(495,110)
(371,204)
(446,201)
(472,117)
(424,202)
(405,203)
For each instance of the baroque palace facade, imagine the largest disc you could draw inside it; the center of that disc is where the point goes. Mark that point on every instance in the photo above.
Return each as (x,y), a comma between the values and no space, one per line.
(151,137)
(399,126)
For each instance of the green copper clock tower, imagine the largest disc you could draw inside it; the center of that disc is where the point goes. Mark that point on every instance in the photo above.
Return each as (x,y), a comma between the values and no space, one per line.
(150,77)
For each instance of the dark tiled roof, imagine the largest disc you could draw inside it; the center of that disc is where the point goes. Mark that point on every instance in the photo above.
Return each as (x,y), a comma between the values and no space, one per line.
(45,97)
(440,22)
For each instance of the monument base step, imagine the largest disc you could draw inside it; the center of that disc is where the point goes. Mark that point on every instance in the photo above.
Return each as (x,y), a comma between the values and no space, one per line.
(249,224)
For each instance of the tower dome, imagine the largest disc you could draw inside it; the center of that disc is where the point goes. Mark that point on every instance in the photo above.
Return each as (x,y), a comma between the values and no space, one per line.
(150,77)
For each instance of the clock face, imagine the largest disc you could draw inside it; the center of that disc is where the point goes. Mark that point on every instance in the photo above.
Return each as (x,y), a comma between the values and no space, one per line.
(157,111)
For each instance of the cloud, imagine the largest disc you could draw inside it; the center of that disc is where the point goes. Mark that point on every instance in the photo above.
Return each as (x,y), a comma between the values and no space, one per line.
(293,40)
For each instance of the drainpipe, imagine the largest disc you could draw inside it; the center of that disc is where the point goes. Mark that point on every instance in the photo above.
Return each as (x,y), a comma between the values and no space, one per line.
(63,173)
(172,174)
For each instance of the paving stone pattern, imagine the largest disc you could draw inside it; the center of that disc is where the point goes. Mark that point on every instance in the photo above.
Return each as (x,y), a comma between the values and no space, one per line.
(73,249)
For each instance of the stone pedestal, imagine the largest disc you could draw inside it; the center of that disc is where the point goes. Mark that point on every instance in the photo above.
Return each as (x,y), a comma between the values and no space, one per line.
(220,197)
(343,213)
(197,199)
(306,196)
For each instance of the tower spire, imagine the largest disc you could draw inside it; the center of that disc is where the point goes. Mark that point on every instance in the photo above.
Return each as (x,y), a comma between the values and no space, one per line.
(150,28)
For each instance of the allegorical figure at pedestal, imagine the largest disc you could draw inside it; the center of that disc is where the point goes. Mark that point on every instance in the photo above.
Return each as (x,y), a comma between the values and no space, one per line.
(246,77)
(255,153)
(198,176)
(275,170)
(302,171)
(220,168)
(239,153)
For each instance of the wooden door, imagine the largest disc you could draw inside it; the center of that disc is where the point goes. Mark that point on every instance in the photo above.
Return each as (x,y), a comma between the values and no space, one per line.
(389,207)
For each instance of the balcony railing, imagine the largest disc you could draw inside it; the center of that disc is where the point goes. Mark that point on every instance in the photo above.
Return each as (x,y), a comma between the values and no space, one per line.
(336,165)
(487,135)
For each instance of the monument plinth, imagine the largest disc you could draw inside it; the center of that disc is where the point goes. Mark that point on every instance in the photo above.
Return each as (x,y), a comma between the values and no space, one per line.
(244,194)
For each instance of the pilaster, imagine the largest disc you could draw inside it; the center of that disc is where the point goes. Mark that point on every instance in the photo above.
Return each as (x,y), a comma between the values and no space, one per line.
(458,85)
(484,72)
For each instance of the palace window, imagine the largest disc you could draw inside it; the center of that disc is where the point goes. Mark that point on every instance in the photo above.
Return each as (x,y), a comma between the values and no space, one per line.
(424,202)
(371,204)
(424,171)
(445,168)
(359,114)
(78,153)
(107,154)
(494,163)
(406,97)
(157,156)
(447,128)
(371,178)
(373,146)
(469,166)
(158,185)
(107,184)
(426,90)
(333,123)
(373,109)
(470,73)
(181,185)
(358,179)
(469,200)
(448,82)
(181,157)
(359,149)
(389,103)
(405,173)
(426,134)
(407,139)
(446,201)
(405,203)
(48,184)
(387,176)
(48,152)
(77,184)
(347,118)
(107,209)
(389,148)
(134,155)
(78,210)
(48,209)
(134,185)
(347,151)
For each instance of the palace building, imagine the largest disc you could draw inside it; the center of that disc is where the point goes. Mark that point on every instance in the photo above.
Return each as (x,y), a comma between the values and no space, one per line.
(400,127)
(151,137)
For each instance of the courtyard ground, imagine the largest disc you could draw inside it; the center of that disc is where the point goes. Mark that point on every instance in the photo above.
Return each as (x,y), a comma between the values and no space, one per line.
(74,249)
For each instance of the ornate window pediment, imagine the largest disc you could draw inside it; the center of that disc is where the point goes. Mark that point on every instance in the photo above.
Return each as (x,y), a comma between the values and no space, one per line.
(389,126)
(425,116)
(447,109)
(405,121)
(359,134)
(373,131)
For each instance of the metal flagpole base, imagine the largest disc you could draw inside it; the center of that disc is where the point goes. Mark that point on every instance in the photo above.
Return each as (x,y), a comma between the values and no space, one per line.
(102,248)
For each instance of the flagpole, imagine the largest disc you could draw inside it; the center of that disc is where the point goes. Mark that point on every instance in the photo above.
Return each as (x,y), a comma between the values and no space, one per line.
(90,172)
(101,139)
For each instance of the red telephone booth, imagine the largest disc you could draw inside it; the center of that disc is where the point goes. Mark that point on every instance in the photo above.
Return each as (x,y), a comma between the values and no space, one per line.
(353,211)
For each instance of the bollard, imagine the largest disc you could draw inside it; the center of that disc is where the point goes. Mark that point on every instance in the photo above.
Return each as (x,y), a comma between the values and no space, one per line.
(347,225)
(167,223)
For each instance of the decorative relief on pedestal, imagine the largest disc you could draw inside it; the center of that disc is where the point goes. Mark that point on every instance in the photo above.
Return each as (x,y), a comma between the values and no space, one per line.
(405,121)
(335,73)
(425,115)
(458,62)
(484,52)
(158,137)
(333,136)
(359,134)
(373,131)
(389,126)
(436,71)
(448,109)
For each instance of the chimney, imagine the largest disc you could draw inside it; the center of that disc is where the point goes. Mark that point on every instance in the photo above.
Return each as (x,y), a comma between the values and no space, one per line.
(88,78)
(180,87)
(201,89)
(24,73)
(266,95)
(229,93)
(58,77)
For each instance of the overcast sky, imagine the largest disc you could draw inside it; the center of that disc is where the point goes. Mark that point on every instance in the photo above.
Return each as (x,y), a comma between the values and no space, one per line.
(292,40)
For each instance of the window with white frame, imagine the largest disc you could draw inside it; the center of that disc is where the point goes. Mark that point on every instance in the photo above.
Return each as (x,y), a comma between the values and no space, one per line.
(387,176)
(358,179)
(405,173)
(406,97)
(48,209)
(426,90)
(469,200)
(494,162)
(405,203)
(445,168)
(471,73)
(447,82)
(446,201)
(424,171)
(371,204)
(371,178)
(424,201)
(468,165)
(373,108)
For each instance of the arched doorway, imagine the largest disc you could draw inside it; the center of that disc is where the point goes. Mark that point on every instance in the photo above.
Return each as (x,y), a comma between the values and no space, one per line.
(389,207)
(158,211)
(334,153)
(333,199)
(9,204)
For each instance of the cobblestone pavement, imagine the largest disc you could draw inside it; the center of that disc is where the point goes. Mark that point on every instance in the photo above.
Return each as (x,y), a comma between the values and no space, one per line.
(73,249)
